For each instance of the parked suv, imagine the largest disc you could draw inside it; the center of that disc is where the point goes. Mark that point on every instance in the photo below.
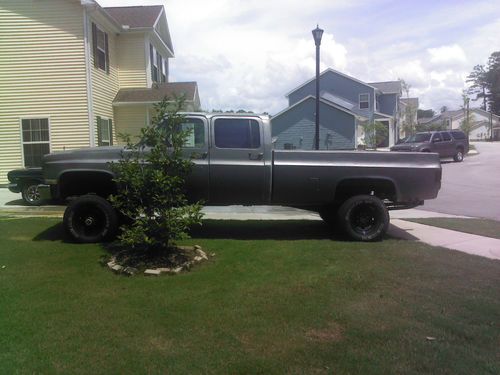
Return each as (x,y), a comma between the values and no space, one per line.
(453,143)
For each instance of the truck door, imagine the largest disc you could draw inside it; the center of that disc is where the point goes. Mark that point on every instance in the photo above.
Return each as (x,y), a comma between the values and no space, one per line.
(237,168)
(196,148)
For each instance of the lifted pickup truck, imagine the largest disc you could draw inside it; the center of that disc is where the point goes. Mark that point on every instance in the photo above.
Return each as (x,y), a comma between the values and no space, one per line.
(235,164)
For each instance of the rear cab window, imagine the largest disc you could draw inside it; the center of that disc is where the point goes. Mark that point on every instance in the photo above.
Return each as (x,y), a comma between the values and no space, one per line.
(237,133)
(196,132)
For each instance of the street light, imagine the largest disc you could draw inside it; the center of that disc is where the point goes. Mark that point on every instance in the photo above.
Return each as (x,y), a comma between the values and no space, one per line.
(317,34)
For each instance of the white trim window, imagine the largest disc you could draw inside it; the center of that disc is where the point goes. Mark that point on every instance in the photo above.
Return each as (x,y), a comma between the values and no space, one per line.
(104,131)
(101,48)
(35,140)
(165,70)
(364,101)
(154,63)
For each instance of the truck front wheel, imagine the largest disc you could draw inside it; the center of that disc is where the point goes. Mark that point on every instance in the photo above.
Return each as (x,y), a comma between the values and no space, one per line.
(30,193)
(90,218)
(364,218)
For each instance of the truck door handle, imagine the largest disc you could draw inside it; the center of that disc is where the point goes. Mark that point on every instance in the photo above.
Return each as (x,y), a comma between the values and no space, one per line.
(255,156)
(196,155)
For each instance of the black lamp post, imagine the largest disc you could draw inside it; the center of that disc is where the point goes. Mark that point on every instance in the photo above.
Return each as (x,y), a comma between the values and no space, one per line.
(317,34)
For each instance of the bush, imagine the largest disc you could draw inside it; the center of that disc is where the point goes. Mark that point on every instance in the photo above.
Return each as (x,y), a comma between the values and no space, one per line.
(151,178)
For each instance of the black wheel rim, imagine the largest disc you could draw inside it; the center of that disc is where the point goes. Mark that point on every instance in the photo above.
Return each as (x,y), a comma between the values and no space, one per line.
(364,219)
(32,194)
(90,221)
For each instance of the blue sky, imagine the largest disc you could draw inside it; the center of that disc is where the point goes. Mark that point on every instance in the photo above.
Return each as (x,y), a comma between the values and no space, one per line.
(249,54)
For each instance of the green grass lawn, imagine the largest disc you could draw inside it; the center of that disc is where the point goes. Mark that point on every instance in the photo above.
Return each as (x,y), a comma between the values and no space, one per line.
(278,297)
(481,227)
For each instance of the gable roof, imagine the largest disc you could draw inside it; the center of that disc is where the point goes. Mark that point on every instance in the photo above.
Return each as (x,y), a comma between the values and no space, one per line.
(324,101)
(330,70)
(388,87)
(136,16)
(157,93)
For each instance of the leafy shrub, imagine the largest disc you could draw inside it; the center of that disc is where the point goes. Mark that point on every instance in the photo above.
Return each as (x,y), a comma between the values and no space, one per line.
(151,179)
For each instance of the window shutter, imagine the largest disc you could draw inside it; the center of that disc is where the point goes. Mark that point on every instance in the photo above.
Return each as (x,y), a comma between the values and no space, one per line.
(107,51)
(94,43)
(110,122)
(99,131)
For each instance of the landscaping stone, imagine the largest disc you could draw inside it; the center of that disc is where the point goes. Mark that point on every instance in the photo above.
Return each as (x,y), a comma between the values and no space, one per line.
(111,264)
(164,270)
(201,253)
(117,268)
(198,258)
(130,271)
(197,247)
(177,270)
(186,248)
(151,272)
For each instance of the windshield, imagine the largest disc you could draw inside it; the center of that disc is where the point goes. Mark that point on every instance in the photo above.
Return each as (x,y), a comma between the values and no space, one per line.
(419,137)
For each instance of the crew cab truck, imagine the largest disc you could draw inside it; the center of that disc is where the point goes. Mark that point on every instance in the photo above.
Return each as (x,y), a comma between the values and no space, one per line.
(235,164)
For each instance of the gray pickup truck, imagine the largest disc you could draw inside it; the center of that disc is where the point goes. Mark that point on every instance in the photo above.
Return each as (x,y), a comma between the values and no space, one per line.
(235,164)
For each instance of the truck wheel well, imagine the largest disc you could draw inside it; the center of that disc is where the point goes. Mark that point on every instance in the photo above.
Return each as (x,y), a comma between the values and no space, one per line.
(81,183)
(383,189)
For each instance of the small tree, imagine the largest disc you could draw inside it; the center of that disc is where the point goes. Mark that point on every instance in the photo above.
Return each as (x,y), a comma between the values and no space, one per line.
(408,125)
(468,122)
(151,177)
(375,132)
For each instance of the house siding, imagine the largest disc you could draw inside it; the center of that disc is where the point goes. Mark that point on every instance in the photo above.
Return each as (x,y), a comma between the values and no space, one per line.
(338,85)
(130,119)
(298,123)
(131,54)
(388,104)
(104,85)
(42,73)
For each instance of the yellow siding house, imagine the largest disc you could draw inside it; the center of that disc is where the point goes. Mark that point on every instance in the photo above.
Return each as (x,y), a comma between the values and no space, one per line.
(74,74)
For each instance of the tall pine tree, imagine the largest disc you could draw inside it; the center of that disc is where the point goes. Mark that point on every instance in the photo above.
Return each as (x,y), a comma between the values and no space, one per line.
(493,82)
(479,85)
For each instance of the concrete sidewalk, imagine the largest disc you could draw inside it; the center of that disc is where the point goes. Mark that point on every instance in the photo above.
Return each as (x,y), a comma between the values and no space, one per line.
(451,239)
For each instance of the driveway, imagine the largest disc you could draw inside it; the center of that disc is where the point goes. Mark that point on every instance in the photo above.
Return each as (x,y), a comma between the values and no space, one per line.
(471,188)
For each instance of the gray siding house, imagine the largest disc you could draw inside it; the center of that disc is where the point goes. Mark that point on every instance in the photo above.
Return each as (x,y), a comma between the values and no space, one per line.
(346,104)
(293,126)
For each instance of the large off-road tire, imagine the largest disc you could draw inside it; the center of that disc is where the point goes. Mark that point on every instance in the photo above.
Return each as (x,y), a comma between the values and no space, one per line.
(329,215)
(459,155)
(31,194)
(364,218)
(90,218)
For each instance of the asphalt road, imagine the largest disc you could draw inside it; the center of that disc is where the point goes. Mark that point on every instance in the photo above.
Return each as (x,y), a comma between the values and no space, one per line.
(471,188)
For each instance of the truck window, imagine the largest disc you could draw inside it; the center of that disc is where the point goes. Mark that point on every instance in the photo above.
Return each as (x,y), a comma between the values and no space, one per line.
(196,136)
(236,133)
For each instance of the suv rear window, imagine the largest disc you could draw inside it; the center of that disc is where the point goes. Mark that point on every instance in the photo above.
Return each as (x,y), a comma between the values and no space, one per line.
(458,134)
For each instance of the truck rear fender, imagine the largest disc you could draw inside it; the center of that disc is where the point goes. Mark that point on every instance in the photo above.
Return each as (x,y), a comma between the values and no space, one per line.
(81,182)
(381,187)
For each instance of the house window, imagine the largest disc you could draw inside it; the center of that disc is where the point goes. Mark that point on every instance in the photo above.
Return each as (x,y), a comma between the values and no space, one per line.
(154,63)
(101,48)
(104,131)
(364,101)
(36,142)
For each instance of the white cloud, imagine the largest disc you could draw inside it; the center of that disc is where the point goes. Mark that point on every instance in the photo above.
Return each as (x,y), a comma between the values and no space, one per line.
(249,54)
(447,56)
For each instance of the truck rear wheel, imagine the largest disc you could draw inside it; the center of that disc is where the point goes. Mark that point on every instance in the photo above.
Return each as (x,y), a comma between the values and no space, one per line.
(90,218)
(364,218)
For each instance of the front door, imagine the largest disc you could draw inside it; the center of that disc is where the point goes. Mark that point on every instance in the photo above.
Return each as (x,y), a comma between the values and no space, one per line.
(237,169)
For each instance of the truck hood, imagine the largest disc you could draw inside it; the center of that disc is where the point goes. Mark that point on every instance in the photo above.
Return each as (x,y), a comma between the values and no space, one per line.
(406,147)
(89,153)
